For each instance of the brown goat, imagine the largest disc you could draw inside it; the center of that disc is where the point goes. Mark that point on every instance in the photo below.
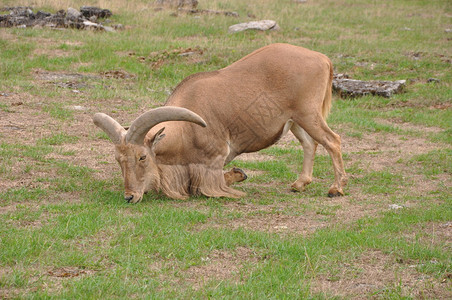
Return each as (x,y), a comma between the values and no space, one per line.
(247,106)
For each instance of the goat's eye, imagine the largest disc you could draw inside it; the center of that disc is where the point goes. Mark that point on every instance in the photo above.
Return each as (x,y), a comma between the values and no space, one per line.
(142,157)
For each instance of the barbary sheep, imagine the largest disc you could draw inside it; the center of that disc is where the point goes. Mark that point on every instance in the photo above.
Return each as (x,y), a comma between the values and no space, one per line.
(241,108)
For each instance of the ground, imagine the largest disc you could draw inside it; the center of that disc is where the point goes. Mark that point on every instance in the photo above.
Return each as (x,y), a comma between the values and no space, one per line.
(67,233)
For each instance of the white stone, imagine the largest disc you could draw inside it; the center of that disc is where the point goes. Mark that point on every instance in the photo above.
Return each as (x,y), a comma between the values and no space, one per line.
(395,206)
(255,25)
(73,14)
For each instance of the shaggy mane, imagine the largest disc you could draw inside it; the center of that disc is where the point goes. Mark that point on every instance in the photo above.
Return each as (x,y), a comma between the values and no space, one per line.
(182,181)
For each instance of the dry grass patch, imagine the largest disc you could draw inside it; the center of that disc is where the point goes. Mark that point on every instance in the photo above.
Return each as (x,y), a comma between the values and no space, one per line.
(51,52)
(69,272)
(19,176)
(221,265)
(398,123)
(357,206)
(6,35)
(389,142)
(279,223)
(48,47)
(7,209)
(266,218)
(432,233)
(376,274)
(55,278)
(254,156)
(28,224)
(23,121)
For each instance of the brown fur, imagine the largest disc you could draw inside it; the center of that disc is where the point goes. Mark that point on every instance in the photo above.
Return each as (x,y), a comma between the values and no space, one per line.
(247,107)
(181,181)
(234,175)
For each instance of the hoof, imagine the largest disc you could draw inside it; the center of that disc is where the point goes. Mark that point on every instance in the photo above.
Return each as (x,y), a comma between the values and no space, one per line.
(299,186)
(335,193)
(294,189)
(241,172)
(234,175)
(330,195)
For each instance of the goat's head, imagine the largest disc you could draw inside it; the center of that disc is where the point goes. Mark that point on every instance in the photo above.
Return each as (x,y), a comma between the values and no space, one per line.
(137,159)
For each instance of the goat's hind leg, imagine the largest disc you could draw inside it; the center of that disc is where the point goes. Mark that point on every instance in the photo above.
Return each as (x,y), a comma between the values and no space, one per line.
(309,147)
(316,127)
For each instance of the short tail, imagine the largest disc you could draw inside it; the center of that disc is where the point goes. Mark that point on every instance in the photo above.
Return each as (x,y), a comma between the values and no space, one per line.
(327,100)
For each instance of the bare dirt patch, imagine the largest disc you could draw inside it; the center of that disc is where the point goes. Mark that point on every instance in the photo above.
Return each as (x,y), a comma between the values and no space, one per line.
(48,47)
(265,218)
(378,274)
(278,223)
(157,59)
(69,80)
(56,277)
(254,156)
(379,141)
(380,151)
(117,74)
(290,217)
(432,233)
(350,211)
(24,122)
(69,272)
(389,142)
(7,209)
(51,52)
(410,126)
(221,265)
(6,35)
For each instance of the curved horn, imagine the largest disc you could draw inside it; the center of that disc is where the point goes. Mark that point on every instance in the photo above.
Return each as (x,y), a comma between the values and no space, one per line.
(149,119)
(111,127)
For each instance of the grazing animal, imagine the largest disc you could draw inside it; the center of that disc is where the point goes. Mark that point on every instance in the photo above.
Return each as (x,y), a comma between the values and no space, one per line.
(246,106)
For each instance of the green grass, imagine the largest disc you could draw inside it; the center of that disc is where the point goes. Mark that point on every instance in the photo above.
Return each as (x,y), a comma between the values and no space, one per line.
(58,139)
(66,232)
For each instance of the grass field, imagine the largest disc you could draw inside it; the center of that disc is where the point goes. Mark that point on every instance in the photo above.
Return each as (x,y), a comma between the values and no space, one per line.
(66,232)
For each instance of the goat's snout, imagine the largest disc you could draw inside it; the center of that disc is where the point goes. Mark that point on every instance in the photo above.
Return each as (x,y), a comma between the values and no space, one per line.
(128,198)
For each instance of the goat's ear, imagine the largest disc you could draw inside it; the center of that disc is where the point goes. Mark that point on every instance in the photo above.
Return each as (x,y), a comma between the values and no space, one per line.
(156,138)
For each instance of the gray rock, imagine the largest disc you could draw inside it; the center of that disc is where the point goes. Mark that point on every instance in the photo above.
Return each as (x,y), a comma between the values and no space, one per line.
(118,26)
(209,12)
(89,11)
(434,80)
(92,25)
(42,15)
(23,17)
(109,29)
(179,3)
(73,14)
(254,25)
(346,87)
(395,206)
(77,107)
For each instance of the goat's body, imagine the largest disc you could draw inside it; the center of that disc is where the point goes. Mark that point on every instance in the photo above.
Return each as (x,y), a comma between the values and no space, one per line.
(248,106)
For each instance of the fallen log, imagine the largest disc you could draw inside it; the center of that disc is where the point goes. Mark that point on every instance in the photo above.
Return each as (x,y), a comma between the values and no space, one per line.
(351,88)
